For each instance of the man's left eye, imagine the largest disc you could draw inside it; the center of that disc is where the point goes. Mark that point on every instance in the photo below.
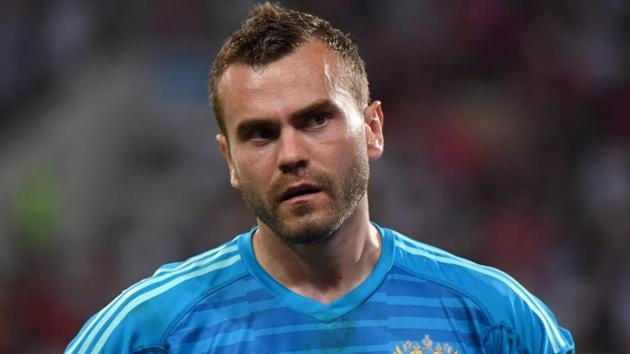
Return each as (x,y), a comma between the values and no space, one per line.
(318,119)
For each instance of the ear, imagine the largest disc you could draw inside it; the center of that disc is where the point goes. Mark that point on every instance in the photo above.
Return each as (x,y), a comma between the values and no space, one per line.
(373,118)
(225,150)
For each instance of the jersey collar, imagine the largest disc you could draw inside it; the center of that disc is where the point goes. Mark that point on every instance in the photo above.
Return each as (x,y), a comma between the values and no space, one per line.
(320,311)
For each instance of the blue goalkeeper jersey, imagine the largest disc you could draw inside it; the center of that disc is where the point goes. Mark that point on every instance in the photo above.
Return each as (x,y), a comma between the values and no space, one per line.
(418,299)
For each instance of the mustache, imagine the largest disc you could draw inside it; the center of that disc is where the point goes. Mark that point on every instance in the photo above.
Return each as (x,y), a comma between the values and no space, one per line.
(318,179)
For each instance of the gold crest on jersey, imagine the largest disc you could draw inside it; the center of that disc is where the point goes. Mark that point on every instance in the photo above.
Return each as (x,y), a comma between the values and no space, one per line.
(426,347)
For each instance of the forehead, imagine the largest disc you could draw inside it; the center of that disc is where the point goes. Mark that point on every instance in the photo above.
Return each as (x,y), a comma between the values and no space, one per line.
(310,73)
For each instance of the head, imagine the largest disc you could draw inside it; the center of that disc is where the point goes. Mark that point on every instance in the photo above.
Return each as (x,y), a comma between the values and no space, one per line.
(291,97)
(272,32)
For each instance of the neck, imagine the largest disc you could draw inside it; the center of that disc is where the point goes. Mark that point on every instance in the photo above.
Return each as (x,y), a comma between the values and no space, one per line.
(323,270)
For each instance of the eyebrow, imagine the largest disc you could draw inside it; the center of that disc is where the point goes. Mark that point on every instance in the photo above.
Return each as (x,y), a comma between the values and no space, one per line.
(317,106)
(244,127)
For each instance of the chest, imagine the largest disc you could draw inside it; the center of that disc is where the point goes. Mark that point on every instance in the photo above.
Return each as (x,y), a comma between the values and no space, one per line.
(383,324)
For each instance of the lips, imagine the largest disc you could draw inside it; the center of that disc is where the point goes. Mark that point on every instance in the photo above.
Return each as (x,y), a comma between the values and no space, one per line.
(299,190)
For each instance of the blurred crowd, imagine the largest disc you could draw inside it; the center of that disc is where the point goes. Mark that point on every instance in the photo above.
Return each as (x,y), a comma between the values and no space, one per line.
(507,135)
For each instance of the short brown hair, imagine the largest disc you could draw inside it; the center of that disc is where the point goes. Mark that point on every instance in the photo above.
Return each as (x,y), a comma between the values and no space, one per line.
(272,32)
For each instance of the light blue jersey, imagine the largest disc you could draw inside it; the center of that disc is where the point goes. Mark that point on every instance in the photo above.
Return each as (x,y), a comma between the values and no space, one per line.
(418,299)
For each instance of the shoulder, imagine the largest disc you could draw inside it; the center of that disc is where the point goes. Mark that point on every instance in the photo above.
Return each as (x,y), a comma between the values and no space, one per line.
(515,314)
(139,318)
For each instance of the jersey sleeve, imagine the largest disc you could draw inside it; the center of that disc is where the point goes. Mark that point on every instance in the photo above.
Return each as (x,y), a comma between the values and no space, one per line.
(534,331)
(518,322)
(132,335)
(139,319)
(136,320)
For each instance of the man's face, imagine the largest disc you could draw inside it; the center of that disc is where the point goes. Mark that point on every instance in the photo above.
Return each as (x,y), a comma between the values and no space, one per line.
(298,144)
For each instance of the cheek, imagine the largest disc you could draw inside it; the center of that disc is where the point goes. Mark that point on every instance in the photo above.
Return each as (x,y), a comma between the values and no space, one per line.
(347,154)
(253,168)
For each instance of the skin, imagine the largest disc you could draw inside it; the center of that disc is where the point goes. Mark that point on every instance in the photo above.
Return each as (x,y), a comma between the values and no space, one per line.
(293,125)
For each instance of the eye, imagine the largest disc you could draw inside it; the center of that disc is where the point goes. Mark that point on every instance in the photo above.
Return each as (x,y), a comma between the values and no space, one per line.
(261,136)
(317,120)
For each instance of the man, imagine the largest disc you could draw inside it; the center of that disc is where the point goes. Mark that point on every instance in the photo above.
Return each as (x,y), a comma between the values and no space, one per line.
(290,94)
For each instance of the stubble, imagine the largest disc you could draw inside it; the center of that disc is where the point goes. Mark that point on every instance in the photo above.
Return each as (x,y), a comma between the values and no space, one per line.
(308,222)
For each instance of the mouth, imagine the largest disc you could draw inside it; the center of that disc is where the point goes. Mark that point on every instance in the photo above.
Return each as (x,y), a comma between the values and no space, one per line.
(299,191)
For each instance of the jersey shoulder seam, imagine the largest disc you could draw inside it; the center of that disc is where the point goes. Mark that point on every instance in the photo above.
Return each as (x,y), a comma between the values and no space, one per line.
(151,349)
(510,332)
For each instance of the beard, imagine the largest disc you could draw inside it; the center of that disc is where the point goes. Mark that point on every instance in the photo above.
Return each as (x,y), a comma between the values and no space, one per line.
(306,222)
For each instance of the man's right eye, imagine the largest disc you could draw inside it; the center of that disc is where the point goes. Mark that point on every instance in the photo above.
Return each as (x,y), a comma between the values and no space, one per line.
(261,135)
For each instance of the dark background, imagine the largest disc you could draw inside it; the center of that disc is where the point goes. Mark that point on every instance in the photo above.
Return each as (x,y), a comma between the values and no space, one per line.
(507,135)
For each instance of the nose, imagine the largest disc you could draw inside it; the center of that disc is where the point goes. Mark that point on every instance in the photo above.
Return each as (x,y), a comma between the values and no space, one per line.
(292,155)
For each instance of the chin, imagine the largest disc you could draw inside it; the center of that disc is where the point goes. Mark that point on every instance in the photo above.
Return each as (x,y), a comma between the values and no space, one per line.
(308,229)
(307,236)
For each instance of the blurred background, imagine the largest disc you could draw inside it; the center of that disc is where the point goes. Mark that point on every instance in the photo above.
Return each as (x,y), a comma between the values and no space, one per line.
(507,130)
